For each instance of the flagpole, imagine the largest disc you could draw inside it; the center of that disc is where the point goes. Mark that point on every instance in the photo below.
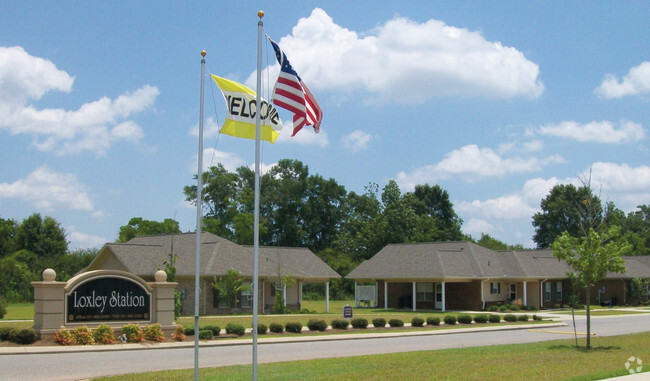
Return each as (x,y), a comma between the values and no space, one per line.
(199,199)
(256,219)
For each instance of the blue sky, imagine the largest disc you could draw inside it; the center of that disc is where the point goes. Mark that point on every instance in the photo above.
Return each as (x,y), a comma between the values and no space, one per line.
(496,102)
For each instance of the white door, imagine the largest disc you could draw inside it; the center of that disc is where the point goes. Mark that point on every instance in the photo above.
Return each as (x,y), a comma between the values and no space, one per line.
(438,296)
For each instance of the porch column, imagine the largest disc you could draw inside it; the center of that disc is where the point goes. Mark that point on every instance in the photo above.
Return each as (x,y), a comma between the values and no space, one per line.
(414,299)
(443,296)
(300,293)
(385,295)
(327,297)
(284,293)
(356,294)
(525,295)
(257,296)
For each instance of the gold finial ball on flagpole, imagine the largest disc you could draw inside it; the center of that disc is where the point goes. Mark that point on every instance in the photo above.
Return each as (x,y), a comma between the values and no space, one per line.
(260,14)
(203,53)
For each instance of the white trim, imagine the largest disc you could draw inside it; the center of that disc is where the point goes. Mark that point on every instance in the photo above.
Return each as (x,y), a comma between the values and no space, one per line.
(327,297)
(385,295)
(443,296)
(414,301)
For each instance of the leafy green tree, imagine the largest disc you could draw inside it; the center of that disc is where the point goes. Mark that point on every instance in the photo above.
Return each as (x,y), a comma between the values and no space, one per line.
(74,262)
(636,230)
(432,205)
(138,227)
(44,237)
(638,289)
(492,243)
(7,236)
(591,257)
(566,208)
(229,286)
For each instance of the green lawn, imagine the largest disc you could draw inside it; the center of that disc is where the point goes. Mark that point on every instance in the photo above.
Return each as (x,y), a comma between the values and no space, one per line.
(608,312)
(551,360)
(19,311)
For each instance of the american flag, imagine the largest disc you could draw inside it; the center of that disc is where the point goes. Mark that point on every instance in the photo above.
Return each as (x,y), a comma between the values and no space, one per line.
(291,93)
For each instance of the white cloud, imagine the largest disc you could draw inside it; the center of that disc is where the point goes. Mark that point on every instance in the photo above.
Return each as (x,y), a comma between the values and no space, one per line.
(212,157)
(597,132)
(472,163)
(49,190)
(80,240)
(306,136)
(356,141)
(476,227)
(620,177)
(93,127)
(406,61)
(506,207)
(637,81)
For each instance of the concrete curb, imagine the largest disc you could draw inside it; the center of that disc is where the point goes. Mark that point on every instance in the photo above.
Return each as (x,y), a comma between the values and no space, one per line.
(27,350)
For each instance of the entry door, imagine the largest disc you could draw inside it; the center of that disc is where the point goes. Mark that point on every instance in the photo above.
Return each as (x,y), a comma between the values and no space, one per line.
(438,296)
(513,291)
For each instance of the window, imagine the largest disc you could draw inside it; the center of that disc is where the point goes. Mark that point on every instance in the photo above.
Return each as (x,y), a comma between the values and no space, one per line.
(558,290)
(547,292)
(424,292)
(495,287)
(247,296)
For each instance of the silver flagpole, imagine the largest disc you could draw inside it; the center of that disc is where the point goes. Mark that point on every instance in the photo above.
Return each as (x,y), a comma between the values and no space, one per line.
(199,215)
(256,219)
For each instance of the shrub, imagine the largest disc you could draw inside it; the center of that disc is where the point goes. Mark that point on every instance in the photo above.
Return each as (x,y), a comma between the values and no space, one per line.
(340,324)
(508,307)
(179,333)
(533,308)
(293,327)
(154,332)
(205,334)
(379,322)
(537,318)
(3,307)
(395,323)
(6,333)
(523,317)
(317,325)
(510,318)
(514,308)
(25,336)
(493,308)
(480,319)
(83,336)
(433,320)
(503,309)
(103,334)
(556,306)
(276,328)
(417,322)
(133,333)
(450,320)
(63,337)
(494,319)
(307,311)
(237,329)
(464,319)
(359,323)
(216,330)
(188,331)
(262,329)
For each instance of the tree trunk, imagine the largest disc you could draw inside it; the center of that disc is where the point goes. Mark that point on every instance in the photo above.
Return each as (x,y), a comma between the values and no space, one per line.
(588,318)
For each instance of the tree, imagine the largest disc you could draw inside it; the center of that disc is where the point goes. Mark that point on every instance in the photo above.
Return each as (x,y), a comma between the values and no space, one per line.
(7,236)
(138,227)
(432,205)
(591,257)
(44,237)
(229,286)
(566,208)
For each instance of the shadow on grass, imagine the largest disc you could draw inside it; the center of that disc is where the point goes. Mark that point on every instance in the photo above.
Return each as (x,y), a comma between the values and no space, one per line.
(583,349)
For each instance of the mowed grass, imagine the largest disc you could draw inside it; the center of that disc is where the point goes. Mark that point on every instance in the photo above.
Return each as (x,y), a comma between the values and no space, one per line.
(550,360)
(19,311)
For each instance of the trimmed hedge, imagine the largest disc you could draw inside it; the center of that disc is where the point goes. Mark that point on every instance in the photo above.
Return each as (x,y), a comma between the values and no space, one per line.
(154,332)
(417,322)
(237,329)
(276,328)
(340,324)
(262,329)
(379,322)
(359,323)
(189,331)
(523,317)
(395,323)
(133,333)
(179,333)
(493,308)
(317,325)
(293,327)
(480,318)
(6,333)
(450,320)
(103,334)
(216,330)
(494,319)
(510,318)
(25,336)
(205,334)
(464,319)
(83,336)
(433,320)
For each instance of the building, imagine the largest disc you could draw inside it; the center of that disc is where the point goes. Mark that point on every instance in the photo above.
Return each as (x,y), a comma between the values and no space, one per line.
(466,276)
(143,256)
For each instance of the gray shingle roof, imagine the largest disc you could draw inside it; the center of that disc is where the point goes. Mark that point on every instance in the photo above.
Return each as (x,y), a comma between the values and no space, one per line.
(145,255)
(448,260)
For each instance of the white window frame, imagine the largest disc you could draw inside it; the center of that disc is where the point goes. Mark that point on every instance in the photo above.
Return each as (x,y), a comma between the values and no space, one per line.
(547,291)
(495,288)
(424,291)
(247,296)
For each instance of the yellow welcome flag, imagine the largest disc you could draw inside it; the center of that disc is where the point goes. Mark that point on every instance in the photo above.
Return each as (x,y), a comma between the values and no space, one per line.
(241,106)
